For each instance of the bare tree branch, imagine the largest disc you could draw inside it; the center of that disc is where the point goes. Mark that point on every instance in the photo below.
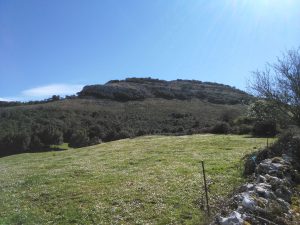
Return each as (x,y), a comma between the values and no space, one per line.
(280,83)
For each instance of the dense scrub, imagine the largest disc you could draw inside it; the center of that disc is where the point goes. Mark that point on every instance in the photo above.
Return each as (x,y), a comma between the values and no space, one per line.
(83,122)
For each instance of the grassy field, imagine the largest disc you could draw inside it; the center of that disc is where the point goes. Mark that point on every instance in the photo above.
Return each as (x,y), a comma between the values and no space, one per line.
(147,180)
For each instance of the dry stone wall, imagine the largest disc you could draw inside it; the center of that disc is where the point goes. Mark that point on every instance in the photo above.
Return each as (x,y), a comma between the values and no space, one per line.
(267,198)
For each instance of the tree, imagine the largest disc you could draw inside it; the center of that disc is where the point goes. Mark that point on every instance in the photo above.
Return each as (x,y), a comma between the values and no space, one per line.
(96,131)
(279,84)
(79,139)
(265,116)
(55,98)
(15,143)
(262,110)
(50,136)
(266,128)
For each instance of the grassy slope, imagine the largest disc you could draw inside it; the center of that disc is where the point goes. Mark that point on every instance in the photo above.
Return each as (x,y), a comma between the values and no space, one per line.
(152,180)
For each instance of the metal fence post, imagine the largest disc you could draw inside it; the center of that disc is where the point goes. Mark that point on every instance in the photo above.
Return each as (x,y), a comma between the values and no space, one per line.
(205,188)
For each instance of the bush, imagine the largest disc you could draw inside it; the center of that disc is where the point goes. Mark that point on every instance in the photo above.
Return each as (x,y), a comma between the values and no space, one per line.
(227,116)
(95,141)
(111,135)
(50,136)
(141,133)
(96,131)
(124,134)
(264,128)
(36,143)
(15,142)
(79,139)
(221,128)
(243,120)
(244,129)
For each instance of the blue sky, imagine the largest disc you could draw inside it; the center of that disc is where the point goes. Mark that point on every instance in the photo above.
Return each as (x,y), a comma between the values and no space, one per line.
(57,46)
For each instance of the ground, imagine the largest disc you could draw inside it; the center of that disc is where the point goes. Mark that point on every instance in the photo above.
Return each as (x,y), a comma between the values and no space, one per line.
(146,180)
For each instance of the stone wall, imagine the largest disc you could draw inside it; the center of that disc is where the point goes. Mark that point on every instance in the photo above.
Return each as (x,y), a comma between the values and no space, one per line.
(266,198)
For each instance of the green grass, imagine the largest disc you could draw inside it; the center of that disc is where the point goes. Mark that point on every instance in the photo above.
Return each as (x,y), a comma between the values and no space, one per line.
(147,180)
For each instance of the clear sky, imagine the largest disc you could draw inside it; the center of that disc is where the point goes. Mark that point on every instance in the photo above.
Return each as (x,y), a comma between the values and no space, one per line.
(57,46)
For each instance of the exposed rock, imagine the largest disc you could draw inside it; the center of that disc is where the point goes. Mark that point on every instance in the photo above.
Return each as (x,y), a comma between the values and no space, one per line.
(266,200)
(261,179)
(276,182)
(285,206)
(284,193)
(235,218)
(263,190)
(275,167)
(248,202)
(247,187)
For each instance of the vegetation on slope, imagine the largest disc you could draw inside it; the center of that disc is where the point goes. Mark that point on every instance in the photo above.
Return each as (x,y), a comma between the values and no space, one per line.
(154,180)
(143,88)
(83,122)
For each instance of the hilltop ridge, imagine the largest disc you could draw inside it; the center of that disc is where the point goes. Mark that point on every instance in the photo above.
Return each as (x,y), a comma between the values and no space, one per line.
(143,88)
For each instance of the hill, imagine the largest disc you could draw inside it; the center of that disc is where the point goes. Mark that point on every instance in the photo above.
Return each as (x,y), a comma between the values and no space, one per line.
(143,88)
(146,180)
(91,117)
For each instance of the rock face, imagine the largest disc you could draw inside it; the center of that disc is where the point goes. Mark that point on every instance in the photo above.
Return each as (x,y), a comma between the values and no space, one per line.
(266,200)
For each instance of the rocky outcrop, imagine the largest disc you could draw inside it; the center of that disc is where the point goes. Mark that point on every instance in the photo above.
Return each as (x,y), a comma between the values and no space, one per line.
(132,89)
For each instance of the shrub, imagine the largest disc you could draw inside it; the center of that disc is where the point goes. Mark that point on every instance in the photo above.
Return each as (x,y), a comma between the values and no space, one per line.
(111,135)
(266,128)
(15,142)
(79,139)
(50,136)
(227,116)
(243,120)
(124,134)
(96,131)
(68,134)
(36,143)
(165,130)
(221,128)
(244,129)
(95,141)
(141,133)
(180,129)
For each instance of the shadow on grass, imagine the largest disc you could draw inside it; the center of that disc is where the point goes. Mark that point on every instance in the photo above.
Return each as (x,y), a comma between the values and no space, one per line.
(253,136)
(43,149)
